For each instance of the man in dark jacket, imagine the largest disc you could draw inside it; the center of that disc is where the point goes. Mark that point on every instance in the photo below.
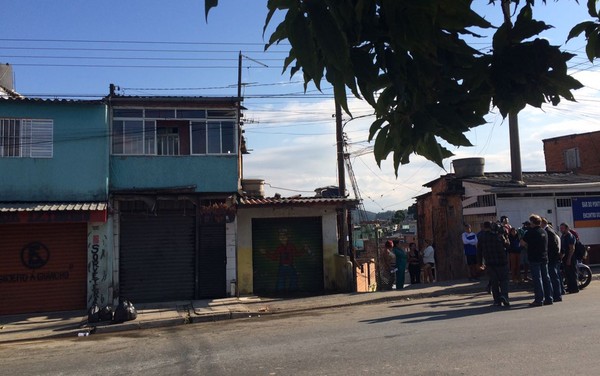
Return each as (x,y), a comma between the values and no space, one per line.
(536,241)
(490,247)
(553,260)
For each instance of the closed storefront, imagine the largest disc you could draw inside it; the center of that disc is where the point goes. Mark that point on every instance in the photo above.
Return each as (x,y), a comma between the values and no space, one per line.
(287,255)
(167,255)
(43,267)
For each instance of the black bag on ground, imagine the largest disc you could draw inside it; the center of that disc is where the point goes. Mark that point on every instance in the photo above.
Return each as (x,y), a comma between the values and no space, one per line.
(93,314)
(125,311)
(105,314)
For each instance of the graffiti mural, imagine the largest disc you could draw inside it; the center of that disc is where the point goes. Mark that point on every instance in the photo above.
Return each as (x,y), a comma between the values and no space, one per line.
(287,255)
(99,266)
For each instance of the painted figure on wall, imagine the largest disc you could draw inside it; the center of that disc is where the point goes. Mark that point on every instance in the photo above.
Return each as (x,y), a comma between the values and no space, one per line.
(284,254)
(288,255)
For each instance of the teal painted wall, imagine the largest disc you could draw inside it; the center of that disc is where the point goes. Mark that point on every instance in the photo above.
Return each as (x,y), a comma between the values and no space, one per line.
(78,170)
(207,173)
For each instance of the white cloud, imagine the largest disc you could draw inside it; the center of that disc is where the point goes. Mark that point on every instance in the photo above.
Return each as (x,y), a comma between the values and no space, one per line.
(295,148)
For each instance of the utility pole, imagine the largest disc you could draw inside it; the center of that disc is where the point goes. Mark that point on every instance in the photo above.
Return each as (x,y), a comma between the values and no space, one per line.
(516,170)
(239,117)
(515,149)
(339,135)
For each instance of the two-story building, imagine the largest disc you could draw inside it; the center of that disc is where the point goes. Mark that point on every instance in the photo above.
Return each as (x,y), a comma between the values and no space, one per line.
(174,175)
(53,204)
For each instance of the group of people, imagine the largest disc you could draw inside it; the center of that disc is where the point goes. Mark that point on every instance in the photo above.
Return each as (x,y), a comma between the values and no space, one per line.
(415,260)
(499,247)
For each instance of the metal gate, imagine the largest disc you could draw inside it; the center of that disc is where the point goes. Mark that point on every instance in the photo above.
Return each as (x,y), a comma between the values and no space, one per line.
(212,261)
(43,267)
(157,256)
(287,255)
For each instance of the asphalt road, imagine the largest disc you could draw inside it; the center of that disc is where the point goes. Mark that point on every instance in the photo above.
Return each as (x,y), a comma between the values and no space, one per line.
(451,335)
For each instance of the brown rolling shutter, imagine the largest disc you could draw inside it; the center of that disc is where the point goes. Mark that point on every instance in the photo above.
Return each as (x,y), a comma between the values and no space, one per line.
(287,255)
(43,267)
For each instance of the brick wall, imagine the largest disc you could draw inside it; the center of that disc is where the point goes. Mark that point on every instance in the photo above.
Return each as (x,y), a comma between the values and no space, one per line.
(440,219)
(589,152)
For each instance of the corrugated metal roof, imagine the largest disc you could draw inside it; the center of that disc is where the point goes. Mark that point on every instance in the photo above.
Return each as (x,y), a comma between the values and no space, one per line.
(253,201)
(504,179)
(49,100)
(8,207)
(9,94)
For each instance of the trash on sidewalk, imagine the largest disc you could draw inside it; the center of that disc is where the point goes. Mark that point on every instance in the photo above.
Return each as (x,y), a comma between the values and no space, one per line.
(125,311)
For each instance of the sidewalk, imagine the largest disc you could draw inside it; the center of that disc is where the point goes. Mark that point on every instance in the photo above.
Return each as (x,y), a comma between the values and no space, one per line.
(37,326)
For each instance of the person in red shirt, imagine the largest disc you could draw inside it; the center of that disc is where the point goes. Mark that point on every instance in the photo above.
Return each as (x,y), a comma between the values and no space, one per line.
(285,253)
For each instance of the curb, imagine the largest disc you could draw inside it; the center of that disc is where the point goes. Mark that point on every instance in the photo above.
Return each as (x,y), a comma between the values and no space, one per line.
(266,308)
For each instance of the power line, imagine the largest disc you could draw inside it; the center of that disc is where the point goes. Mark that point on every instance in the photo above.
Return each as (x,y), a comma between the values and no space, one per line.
(136,50)
(125,58)
(130,42)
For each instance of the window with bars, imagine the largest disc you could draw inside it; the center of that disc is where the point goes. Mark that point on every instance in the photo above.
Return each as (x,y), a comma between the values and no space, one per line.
(563,202)
(26,138)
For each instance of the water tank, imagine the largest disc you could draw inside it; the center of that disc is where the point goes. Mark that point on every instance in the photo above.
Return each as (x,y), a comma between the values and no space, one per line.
(6,77)
(254,187)
(468,167)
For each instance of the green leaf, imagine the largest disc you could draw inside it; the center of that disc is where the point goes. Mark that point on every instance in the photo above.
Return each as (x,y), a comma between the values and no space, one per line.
(526,27)
(592,48)
(274,5)
(330,40)
(592,11)
(301,39)
(379,149)
(579,28)
(208,5)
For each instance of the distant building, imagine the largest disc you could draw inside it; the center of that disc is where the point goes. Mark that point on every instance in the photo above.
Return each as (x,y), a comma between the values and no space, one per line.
(575,152)
(456,199)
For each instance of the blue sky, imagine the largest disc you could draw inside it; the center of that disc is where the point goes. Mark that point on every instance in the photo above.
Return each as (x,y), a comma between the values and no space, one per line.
(292,134)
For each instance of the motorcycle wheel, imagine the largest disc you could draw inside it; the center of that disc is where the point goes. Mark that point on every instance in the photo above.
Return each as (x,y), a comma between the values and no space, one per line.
(584,276)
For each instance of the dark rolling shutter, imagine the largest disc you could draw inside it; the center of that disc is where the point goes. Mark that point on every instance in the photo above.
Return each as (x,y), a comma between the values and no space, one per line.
(157,257)
(287,255)
(43,267)
(212,258)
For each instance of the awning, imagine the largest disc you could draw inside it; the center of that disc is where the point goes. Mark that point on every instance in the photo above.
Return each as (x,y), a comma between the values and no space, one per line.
(52,212)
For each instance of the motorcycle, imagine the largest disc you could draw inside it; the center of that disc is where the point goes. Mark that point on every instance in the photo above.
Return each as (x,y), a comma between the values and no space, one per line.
(584,274)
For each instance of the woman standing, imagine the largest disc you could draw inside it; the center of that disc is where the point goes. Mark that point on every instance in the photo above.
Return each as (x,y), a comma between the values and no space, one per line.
(385,268)
(428,261)
(414,264)
(401,259)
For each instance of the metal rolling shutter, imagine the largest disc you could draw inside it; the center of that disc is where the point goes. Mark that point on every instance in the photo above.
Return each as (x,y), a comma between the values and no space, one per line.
(212,259)
(157,257)
(43,267)
(304,251)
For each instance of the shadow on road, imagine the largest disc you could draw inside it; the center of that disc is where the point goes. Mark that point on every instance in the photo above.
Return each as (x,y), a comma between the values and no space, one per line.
(452,310)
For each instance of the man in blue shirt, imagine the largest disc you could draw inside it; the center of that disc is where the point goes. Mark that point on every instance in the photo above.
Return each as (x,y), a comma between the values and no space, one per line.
(469,239)
(567,250)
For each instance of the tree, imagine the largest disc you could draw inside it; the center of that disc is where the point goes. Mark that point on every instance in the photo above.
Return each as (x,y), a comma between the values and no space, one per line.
(399,216)
(415,64)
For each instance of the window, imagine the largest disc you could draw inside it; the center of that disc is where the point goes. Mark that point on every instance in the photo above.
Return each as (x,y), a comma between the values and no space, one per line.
(213,137)
(563,202)
(572,161)
(26,138)
(134,137)
(173,131)
(167,141)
